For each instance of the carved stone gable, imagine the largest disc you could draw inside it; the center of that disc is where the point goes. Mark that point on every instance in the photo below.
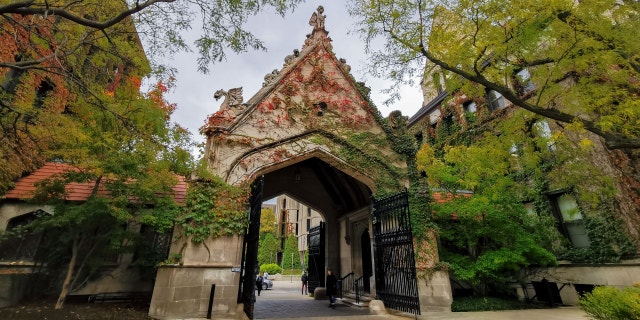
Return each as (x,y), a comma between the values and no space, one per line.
(302,109)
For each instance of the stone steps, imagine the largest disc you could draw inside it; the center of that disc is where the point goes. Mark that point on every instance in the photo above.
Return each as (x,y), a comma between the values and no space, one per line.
(350,299)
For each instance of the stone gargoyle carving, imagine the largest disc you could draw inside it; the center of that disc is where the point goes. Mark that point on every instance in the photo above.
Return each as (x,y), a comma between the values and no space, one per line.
(270,77)
(288,59)
(233,98)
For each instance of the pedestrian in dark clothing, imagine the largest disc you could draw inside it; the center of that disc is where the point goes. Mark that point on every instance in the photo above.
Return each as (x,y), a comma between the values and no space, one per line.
(332,290)
(259,284)
(304,283)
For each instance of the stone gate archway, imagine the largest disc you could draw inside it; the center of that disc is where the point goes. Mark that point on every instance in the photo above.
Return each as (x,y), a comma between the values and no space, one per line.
(309,119)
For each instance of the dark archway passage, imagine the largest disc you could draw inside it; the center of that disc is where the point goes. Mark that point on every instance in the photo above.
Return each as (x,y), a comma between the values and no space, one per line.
(334,194)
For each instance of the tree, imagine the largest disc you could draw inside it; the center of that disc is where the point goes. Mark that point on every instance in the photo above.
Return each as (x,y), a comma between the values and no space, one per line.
(291,255)
(582,57)
(267,222)
(574,63)
(158,22)
(268,249)
(58,56)
(487,235)
(131,170)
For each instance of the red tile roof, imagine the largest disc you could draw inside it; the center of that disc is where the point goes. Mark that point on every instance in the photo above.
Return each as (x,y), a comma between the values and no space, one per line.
(26,186)
(440,197)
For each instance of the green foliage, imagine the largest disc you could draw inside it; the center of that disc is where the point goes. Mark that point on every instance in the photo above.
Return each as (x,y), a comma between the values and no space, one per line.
(291,255)
(267,222)
(173,259)
(470,304)
(270,268)
(608,244)
(487,241)
(90,230)
(580,56)
(213,208)
(487,236)
(610,303)
(268,249)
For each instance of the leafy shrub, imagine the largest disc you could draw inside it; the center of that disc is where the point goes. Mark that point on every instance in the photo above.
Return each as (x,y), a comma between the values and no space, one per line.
(610,303)
(270,268)
(468,304)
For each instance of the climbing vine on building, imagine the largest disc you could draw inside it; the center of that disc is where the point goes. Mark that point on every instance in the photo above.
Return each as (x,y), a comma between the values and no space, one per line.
(213,208)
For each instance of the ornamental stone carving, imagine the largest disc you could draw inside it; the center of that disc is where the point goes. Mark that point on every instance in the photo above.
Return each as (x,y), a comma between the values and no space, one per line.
(232,98)
(317,19)
(288,59)
(270,77)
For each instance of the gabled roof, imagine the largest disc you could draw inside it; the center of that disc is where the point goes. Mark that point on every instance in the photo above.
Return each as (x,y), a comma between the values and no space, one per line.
(317,40)
(26,186)
(427,108)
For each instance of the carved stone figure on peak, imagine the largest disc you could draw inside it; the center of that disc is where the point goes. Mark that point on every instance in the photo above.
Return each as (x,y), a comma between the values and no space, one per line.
(288,59)
(233,98)
(317,19)
(270,77)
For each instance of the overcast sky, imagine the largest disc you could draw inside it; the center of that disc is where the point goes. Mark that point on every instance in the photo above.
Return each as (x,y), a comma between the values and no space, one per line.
(194,91)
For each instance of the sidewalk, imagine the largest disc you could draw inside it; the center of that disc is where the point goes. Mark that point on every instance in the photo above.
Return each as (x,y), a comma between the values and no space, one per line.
(285,301)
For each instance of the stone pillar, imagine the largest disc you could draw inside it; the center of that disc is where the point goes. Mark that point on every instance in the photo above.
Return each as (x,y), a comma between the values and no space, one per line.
(435,293)
(183,290)
(434,286)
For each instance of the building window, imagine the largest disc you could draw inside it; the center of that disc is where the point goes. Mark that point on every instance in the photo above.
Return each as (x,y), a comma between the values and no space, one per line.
(524,83)
(12,78)
(495,99)
(21,244)
(543,130)
(469,107)
(569,219)
(153,246)
(41,93)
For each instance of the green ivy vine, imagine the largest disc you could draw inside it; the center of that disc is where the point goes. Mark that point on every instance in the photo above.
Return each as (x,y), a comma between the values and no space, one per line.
(213,208)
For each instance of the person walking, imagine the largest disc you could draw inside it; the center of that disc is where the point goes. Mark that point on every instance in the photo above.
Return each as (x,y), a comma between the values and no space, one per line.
(259,284)
(332,290)
(304,277)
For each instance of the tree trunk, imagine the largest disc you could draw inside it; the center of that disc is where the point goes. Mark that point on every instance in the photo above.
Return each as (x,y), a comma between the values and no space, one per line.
(67,280)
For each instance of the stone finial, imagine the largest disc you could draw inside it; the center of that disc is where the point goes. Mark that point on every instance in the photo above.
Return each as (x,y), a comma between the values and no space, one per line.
(317,19)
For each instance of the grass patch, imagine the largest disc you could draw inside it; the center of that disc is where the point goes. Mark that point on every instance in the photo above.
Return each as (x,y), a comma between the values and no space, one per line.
(469,304)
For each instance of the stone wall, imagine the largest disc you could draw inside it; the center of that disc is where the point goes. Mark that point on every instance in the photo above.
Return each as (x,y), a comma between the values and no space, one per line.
(13,283)
(183,290)
(619,275)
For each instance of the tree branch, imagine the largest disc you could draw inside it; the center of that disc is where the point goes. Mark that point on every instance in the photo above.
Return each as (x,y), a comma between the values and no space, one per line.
(612,140)
(28,8)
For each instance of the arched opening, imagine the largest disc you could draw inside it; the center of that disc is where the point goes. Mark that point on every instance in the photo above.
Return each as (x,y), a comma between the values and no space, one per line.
(313,184)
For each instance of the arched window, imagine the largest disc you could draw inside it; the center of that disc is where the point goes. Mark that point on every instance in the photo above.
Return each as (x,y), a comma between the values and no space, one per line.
(20,243)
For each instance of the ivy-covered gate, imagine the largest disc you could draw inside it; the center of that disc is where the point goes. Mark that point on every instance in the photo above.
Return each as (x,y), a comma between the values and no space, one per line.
(396,282)
(249,267)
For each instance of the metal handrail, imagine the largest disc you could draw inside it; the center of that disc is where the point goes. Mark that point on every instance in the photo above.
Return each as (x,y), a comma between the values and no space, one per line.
(359,287)
(345,282)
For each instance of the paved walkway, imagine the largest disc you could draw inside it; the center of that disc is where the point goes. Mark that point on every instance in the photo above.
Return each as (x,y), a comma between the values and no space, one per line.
(285,301)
